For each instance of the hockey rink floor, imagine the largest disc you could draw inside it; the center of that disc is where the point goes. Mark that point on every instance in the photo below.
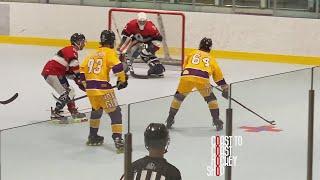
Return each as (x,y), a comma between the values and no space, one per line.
(58,152)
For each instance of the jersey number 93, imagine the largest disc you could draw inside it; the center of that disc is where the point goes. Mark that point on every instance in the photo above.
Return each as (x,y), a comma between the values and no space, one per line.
(94,66)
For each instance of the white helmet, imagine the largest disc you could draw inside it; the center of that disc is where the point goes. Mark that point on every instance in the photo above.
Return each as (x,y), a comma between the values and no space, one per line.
(142,19)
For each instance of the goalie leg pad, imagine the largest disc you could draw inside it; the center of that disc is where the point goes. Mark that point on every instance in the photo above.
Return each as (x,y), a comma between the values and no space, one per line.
(155,66)
(149,49)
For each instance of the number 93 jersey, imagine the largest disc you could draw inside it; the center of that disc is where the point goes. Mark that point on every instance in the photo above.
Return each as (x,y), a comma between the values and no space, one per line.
(199,66)
(95,70)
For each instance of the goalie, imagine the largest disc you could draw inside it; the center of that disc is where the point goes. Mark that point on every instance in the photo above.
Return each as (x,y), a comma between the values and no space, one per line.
(140,37)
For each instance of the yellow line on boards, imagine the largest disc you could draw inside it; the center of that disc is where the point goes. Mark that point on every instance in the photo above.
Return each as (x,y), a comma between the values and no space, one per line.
(41,41)
(262,57)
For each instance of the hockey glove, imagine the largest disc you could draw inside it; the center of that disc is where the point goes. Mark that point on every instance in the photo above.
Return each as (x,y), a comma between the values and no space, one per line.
(225,92)
(121,85)
(80,85)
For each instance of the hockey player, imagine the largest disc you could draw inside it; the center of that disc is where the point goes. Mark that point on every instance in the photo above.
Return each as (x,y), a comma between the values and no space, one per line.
(65,65)
(95,76)
(138,33)
(197,69)
(155,166)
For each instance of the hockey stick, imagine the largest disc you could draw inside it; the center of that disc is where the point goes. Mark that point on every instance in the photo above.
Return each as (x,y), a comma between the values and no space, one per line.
(10,99)
(75,99)
(270,122)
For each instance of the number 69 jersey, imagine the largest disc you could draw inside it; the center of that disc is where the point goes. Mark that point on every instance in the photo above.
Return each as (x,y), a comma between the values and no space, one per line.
(199,66)
(95,70)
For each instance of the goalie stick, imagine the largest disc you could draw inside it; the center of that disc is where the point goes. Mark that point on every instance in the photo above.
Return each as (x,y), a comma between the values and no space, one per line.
(264,119)
(10,99)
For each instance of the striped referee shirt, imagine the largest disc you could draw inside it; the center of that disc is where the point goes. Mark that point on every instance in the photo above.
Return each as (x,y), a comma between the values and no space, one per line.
(151,168)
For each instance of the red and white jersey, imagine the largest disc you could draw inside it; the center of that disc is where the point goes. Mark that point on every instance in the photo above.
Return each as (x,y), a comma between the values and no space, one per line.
(64,62)
(132,28)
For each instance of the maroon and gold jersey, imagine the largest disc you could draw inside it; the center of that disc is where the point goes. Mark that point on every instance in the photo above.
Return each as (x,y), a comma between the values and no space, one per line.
(95,70)
(199,66)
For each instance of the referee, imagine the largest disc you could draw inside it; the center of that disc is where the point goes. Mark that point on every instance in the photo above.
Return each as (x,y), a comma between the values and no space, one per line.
(155,166)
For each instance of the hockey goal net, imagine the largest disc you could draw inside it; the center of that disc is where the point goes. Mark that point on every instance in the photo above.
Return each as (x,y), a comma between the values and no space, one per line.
(171,25)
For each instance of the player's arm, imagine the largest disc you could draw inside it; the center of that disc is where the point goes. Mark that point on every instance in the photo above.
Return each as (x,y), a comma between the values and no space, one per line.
(126,34)
(117,69)
(126,38)
(83,71)
(218,78)
(74,70)
(156,36)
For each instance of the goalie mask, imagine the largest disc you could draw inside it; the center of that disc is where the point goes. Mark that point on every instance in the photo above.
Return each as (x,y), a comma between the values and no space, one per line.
(78,40)
(156,136)
(142,20)
(107,37)
(205,44)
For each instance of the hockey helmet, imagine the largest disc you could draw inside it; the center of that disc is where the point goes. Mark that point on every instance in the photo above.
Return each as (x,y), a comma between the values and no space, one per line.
(107,37)
(205,44)
(78,40)
(156,136)
(142,20)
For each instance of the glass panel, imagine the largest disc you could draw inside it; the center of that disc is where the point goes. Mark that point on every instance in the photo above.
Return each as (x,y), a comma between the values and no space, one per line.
(190,143)
(249,3)
(205,1)
(245,3)
(59,151)
(292,4)
(74,2)
(316,144)
(227,2)
(185,1)
(272,152)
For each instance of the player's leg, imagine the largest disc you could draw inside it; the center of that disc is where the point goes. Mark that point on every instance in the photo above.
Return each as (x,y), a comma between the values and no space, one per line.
(148,56)
(114,111)
(71,104)
(94,139)
(183,89)
(206,92)
(58,86)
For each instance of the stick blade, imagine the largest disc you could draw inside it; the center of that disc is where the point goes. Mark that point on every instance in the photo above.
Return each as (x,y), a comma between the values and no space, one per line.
(10,100)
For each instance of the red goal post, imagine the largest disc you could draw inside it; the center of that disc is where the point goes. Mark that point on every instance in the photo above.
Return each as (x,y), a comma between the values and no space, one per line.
(171,25)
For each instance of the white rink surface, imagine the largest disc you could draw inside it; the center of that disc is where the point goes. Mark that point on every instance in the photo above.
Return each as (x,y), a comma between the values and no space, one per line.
(52,152)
